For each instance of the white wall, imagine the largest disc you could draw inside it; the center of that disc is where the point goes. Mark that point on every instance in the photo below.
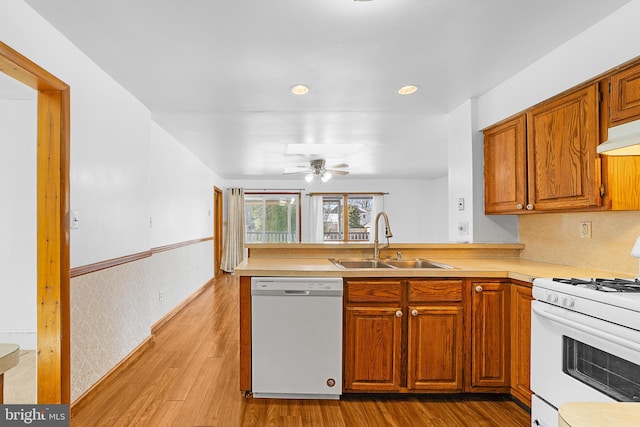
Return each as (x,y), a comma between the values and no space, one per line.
(416,208)
(466,178)
(605,45)
(18,222)
(181,191)
(124,171)
(111,152)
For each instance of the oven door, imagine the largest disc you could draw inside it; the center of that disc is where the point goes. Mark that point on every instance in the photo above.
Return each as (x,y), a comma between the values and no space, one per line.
(579,358)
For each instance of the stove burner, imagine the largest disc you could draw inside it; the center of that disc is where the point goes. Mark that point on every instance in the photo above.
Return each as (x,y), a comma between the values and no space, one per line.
(604,285)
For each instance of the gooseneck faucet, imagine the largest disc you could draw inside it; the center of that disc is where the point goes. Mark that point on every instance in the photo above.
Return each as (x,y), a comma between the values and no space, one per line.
(387,234)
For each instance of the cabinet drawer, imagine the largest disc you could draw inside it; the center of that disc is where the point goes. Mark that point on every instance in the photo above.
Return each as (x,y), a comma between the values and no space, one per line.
(435,290)
(373,291)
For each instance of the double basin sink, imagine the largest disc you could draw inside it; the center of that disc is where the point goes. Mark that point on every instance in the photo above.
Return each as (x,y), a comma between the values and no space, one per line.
(386,263)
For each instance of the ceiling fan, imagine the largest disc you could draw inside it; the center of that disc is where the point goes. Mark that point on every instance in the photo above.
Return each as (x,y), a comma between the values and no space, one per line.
(318,169)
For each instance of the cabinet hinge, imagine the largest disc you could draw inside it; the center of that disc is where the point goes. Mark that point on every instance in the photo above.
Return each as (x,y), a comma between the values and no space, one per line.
(599,97)
(601,190)
(609,87)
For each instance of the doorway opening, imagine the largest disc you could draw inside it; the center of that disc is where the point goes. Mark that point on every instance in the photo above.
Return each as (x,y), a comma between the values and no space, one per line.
(52,194)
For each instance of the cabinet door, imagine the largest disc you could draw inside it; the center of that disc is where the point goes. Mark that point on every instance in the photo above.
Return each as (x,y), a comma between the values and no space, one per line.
(625,96)
(562,136)
(372,354)
(505,170)
(435,348)
(521,343)
(490,334)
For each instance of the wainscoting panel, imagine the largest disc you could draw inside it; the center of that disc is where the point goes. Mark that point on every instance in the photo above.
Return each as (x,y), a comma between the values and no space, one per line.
(112,310)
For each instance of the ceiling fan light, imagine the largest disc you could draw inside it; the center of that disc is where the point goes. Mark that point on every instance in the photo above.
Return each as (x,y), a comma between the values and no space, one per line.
(407,90)
(309,177)
(300,89)
(326,176)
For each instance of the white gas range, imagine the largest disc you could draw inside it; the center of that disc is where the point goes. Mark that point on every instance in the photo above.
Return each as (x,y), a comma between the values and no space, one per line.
(585,343)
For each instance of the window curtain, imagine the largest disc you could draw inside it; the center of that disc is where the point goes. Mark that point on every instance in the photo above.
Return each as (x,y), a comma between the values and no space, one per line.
(233,252)
(377,206)
(316,221)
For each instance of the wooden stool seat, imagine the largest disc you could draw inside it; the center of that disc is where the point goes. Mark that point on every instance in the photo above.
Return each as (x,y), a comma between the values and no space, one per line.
(9,357)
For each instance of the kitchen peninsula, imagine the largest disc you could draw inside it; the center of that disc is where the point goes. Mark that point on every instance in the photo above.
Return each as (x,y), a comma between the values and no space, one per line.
(477,312)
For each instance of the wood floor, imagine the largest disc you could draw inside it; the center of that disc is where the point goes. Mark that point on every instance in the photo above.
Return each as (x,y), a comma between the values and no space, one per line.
(189,377)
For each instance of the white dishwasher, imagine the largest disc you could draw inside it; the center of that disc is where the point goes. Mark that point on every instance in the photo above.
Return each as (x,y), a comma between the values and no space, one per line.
(296,337)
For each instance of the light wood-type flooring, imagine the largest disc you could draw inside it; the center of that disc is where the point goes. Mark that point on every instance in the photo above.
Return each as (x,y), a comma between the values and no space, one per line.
(189,377)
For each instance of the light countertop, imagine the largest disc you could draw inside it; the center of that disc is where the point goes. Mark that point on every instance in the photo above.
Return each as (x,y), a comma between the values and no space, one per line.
(512,268)
(592,414)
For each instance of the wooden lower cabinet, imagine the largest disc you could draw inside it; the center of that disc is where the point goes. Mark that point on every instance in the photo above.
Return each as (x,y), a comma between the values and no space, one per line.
(490,336)
(521,342)
(372,348)
(435,348)
(437,335)
(404,336)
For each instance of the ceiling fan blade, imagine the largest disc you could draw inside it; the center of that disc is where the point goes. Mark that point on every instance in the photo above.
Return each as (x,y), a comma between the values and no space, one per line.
(335,172)
(288,171)
(341,165)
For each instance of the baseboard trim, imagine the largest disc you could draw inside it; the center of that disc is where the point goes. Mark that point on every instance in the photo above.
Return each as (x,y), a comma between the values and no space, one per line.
(91,394)
(178,308)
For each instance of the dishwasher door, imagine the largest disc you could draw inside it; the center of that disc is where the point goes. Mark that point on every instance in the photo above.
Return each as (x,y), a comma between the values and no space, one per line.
(296,337)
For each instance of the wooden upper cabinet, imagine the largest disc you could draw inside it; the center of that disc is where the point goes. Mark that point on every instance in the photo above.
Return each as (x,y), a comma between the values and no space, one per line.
(624,95)
(562,136)
(505,169)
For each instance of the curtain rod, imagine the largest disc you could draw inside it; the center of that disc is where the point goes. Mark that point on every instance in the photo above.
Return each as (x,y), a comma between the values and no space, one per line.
(271,189)
(348,193)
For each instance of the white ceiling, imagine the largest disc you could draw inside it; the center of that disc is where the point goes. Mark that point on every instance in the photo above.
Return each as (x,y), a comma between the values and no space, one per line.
(216,74)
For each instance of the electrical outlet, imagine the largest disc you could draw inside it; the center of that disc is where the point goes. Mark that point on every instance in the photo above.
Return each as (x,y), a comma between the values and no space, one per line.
(585,229)
(463,228)
(461,204)
(160,296)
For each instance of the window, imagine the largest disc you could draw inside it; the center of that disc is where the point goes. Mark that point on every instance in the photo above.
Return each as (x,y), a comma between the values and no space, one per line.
(351,212)
(272,217)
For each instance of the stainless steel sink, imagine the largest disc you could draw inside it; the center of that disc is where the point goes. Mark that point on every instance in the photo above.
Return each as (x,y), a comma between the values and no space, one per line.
(386,263)
(360,263)
(414,263)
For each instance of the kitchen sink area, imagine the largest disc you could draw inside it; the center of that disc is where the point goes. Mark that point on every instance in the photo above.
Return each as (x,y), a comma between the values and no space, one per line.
(348,263)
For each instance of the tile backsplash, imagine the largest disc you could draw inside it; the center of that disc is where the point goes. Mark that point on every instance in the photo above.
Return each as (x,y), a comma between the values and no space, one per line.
(555,237)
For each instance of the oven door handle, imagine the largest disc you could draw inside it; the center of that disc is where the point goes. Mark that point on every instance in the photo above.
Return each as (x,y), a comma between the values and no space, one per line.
(606,335)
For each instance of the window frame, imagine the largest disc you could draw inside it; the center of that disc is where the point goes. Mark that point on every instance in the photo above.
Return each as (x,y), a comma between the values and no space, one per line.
(345,212)
(298,231)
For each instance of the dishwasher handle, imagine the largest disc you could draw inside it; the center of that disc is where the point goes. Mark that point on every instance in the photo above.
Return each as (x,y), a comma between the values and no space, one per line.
(297,292)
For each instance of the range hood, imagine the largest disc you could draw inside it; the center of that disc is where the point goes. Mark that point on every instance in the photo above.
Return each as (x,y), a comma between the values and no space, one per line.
(624,140)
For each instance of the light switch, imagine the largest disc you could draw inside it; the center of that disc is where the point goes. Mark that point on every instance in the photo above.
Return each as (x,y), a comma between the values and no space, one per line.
(75,220)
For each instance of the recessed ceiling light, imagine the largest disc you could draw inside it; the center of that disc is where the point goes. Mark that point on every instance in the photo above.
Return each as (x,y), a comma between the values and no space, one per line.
(407,90)
(300,90)
(323,148)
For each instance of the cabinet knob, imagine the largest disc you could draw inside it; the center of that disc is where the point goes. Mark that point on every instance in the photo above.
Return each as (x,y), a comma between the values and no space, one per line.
(399,313)
(414,312)
(478,288)
(529,207)
(519,206)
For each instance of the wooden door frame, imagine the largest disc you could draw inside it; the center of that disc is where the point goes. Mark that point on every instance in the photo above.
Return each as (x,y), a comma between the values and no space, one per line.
(217,230)
(54,365)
